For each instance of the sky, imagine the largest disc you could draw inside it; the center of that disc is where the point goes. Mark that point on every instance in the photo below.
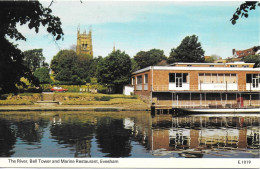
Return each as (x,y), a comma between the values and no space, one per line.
(135,26)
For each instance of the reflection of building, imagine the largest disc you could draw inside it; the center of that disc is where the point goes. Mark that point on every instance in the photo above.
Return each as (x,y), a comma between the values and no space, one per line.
(204,133)
(84,43)
(199,84)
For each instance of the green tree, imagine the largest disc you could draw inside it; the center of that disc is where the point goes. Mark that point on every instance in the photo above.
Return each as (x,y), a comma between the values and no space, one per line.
(43,75)
(34,59)
(189,50)
(251,59)
(149,58)
(11,57)
(115,70)
(93,66)
(70,68)
(134,66)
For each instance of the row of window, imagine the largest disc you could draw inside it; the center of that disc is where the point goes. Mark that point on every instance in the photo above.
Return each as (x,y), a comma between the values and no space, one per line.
(202,78)
(139,79)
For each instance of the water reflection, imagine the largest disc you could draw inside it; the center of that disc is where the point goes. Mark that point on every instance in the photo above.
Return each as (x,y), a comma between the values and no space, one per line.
(127,134)
(198,136)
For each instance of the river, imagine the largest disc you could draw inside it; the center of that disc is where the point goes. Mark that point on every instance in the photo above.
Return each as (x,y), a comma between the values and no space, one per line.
(128,134)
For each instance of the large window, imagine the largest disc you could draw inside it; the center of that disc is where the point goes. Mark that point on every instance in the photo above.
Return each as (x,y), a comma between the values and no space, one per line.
(145,78)
(139,79)
(178,78)
(174,76)
(254,79)
(217,78)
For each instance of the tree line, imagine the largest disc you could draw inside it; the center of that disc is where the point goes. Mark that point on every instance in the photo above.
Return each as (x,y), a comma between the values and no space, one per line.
(15,64)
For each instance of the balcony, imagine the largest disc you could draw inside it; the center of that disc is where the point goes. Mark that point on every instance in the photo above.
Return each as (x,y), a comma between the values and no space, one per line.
(206,87)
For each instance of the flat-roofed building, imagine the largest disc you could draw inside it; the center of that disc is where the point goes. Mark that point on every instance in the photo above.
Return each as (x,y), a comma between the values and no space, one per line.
(199,84)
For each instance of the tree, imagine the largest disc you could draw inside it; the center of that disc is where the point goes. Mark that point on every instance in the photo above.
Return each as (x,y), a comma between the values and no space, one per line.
(251,59)
(149,58)
(212,58)
(189,50)
(243,10)
(43,75)
(134,66)
(115,70)
(11,57)
(34,59)
(70,68)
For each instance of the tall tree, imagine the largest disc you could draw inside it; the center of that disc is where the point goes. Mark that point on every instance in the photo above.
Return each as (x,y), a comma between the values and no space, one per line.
(115,70)
(34,59)
(11,57)
(189,50)
(149,58)
(70,68)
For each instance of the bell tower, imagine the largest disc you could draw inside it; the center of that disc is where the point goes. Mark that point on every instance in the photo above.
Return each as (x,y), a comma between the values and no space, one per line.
(84,42)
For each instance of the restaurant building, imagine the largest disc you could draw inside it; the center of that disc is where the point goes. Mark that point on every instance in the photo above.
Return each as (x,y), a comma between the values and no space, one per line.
(199,84)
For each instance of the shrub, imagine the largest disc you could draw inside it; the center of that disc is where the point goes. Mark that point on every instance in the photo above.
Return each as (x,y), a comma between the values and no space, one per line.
(103,98)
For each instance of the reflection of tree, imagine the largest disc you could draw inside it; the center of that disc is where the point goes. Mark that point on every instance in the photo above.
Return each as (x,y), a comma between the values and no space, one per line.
(113,138)
(74,134)
(30,131)
(7,139)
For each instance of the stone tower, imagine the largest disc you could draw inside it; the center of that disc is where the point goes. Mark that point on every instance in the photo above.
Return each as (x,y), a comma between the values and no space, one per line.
(84,43)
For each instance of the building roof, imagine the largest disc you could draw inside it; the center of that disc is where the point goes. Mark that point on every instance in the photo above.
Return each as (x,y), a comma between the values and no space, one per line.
(242,53)
(183,63)
(196,68)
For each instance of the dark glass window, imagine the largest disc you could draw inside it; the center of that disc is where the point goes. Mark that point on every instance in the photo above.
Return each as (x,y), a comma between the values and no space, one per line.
(172,77)
(185,75)
(248,78)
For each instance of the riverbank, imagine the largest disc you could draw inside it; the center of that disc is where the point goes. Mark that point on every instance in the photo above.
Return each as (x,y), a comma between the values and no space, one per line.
(70,108)
(72,102)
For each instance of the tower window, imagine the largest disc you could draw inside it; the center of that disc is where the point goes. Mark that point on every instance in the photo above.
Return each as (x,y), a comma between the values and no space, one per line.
(84,46)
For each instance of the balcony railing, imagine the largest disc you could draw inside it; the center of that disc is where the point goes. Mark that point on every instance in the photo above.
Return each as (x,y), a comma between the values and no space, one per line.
(241,88)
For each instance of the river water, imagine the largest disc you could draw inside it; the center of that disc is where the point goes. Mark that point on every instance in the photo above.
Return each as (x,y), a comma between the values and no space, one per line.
(128,134)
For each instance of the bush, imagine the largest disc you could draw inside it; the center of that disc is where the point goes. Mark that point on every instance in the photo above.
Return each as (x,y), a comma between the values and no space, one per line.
(16,102)
(103,98)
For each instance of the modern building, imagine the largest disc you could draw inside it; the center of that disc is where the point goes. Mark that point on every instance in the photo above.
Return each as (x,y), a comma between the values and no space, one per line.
(84,43)
(199,84)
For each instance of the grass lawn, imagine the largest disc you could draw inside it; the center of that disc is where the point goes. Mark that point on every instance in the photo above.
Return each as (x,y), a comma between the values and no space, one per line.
(80,99)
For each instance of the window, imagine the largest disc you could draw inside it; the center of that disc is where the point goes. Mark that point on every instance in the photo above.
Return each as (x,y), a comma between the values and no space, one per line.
(220,78)
(233,78)
(211,65)
(145,78)
(139,79)
(207,78)
(201,78)
(178,78)
(172,77)
(214,78)
(248,78)
(233,65)
(189,65)
(185,77)
(133,81)
(244,65)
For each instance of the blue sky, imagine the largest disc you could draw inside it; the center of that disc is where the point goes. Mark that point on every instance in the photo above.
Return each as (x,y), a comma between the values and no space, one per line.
(139,25)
